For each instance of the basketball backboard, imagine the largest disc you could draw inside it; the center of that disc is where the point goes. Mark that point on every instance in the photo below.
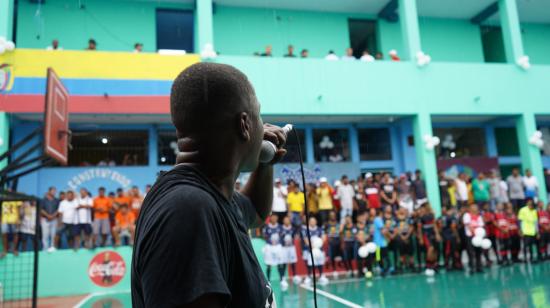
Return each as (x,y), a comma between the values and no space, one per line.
(56,119)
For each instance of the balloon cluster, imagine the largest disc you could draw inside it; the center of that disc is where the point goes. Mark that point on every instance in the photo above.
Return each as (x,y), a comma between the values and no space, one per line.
(523,62)
(536,139)
(6,45)
(431,142)
(422,59)
(208,52)
(479,239)
(448,142)
(365,250)
(326,143)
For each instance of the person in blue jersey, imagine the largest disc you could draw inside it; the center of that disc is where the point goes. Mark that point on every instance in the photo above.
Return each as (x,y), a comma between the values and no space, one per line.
(448,223)
(287,235)
(272,249)
(332,230)
(390,224)
(348,233)
(380,238)
(363,236)
(319,259)
(403,240)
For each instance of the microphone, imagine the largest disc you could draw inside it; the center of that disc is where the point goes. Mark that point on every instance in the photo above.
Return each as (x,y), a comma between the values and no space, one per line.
(268,150)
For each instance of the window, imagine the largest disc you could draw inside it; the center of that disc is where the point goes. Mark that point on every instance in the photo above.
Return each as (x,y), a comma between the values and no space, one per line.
(493,44)
(292,147)
(460,142)
(175,29)
(374,144)
(109,148)
(331,145)
(167,147)
(507,141)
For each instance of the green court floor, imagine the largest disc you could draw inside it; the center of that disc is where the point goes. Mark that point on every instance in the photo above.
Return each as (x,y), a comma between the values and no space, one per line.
(516,286)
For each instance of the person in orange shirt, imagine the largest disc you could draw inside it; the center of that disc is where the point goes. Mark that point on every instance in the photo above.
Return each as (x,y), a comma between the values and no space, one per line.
(121,199)
(136,200)
(102,206)
(125,225)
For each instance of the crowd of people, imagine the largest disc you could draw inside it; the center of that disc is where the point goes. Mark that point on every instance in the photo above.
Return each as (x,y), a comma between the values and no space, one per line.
(70,219)
(92,46)
(380,225)
(331,55)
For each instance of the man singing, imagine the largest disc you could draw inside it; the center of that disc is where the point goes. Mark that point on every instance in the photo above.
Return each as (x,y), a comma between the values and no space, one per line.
(192,248)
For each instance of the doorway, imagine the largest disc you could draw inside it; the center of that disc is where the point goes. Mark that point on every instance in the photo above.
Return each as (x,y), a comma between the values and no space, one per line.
(362,36)
(175,29)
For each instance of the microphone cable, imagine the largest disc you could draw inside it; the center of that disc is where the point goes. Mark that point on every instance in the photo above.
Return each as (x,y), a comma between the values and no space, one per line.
(307,218)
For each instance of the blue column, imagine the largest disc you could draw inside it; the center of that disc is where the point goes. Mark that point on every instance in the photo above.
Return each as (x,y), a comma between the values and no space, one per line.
(153,146)
(310,146)
(408,17)
(511,31)
(354,145)
(396,150)
(491,141)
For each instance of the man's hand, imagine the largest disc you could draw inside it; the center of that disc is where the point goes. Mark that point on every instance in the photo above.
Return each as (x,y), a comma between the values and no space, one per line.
(277,136)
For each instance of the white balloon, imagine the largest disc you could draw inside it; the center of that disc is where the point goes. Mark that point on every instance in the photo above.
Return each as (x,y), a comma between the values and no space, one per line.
(480,232)
(486,243)
(371,247)
(3,40)
(538,134)
(427,138)
(316,242)
(436,140)
(539,143)
(363,251)
(10,46)
(317,253)
(477,241)
(429,146)
(2,49)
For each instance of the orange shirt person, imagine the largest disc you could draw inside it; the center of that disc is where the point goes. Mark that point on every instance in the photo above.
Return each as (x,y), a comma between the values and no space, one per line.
(102,206)
(125,223)
(121,200)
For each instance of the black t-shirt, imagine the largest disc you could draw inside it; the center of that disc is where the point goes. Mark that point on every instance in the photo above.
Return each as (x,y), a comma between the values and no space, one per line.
(191,241)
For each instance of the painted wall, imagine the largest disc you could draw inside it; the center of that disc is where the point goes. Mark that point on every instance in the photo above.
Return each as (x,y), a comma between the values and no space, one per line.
(243,31)
(536,42)
(114,24)
(450,40)
(389,37)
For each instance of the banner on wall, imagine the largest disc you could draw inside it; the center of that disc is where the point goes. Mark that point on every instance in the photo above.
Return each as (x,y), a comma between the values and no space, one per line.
(469,165)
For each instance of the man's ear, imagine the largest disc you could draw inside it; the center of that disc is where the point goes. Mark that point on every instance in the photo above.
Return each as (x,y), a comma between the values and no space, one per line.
(244,126)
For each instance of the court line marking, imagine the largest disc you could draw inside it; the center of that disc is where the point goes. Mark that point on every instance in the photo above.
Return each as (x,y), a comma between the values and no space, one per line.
(333,297)
(94,294)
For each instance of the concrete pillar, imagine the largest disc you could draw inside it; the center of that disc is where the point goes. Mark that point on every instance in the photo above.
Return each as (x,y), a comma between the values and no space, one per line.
(526,125)
(6,19)
(153,147)
(422,125)
(204,27)
(4,136)
(310,146)
(354,145)
(408,17)
(511,31)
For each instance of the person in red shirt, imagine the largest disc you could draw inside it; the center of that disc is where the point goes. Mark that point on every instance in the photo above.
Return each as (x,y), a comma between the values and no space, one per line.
(544,230)
(502,235)
(372,194)
(489,221)
(513,231)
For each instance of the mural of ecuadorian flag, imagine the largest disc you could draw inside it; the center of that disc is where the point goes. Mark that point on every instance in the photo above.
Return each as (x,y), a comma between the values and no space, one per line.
(136,83)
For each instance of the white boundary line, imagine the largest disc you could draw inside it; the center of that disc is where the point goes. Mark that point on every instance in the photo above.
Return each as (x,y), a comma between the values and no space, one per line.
(333,297)
(92,295)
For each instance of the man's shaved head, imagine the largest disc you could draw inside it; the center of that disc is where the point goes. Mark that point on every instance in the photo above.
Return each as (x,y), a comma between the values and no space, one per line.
(209,95)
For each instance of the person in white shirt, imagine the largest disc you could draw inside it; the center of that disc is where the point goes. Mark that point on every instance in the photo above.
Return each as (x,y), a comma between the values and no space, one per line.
(279,206)
(473,220)
(345,193)
(331,56)
(68,212)
(531,185)
(83,219)
(349,55)
(462,190)
(54,46)
(366,57)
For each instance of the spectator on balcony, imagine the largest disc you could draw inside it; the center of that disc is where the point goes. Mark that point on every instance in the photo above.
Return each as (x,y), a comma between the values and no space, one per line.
(84,219)
(331,56)
(290,54)
(138,47)
(349,55)
(267,52)
(54,45)
(92,44)
(125,226)
(48,212)
(379,56)
(102,206)
(366,57)
(393,55)
(304,54)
